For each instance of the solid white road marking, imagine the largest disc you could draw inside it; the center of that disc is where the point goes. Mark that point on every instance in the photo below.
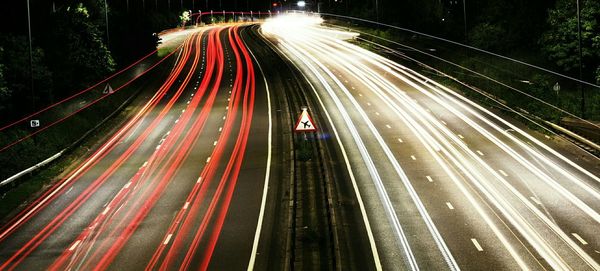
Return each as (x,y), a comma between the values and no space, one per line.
(477,245)
(74,245)
(168,239)
(583,242)
(449,205)
(429,179)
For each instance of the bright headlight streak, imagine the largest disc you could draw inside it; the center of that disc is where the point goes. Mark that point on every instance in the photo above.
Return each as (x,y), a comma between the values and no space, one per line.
(523,199)
(347,162)
(510,136)
(516,219)
(366,158)
(548,222)
(552,225)
(545,159)
(535,170)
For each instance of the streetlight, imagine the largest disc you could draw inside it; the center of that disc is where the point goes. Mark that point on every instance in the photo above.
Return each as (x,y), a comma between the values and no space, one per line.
(465,18)
(30,56)
(580,60)
(301,4)
(106,17)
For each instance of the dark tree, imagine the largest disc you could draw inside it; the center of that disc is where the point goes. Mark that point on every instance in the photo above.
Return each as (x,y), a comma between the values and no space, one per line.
(560,42)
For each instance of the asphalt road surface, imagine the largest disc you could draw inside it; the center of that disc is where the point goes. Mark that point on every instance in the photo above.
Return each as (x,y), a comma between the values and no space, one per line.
(403,173)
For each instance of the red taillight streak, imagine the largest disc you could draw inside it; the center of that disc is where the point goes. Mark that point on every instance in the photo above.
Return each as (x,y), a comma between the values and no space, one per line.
(206,175)
(79,93)
(57,221)
(157,192)
(233,168)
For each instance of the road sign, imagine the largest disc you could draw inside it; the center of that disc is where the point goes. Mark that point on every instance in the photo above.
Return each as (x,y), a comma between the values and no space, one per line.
(305,123)
(107,89)
(34,123)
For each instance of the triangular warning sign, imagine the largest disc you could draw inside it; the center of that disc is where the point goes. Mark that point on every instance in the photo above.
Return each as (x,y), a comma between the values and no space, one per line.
(305,123)
(107,89)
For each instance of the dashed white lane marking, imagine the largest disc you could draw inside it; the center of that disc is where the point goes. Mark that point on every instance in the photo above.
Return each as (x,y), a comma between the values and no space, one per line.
(74,245)
(168,239)
(547,136)
(503,173)
(413,157)
(359,94)
(177,120)
(477,245)
(127,185)
(479,152)
(215,143)
(377,113)
(226,107)
(369,104)
(199,179)
(461,137)
(537,201)
(224,117)
(220,129)
(106,210)
(429,179)
(449,205)
(182,110)
(443,122)
(187,204)
(583,242)
(353,88)
(400,140)
(208,159)
(388,126)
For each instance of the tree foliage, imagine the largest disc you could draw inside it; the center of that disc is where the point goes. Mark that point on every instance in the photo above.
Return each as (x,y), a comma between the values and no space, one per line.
(560,42)
(15,79)
(79,54)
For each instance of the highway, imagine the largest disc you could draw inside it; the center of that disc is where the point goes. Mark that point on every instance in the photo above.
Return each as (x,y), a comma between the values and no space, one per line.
(447,184)
(402,174)
(179,186)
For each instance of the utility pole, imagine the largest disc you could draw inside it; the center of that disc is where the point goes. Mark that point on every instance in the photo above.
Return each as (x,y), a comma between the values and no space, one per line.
(377,10)
(465,19)
(106,17)
(30,56)
(580,60)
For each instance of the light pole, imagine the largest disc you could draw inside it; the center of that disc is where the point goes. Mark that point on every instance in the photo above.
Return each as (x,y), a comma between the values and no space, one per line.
(465,18)
(580,60)
(30,56)
(377,10)
(106,17)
